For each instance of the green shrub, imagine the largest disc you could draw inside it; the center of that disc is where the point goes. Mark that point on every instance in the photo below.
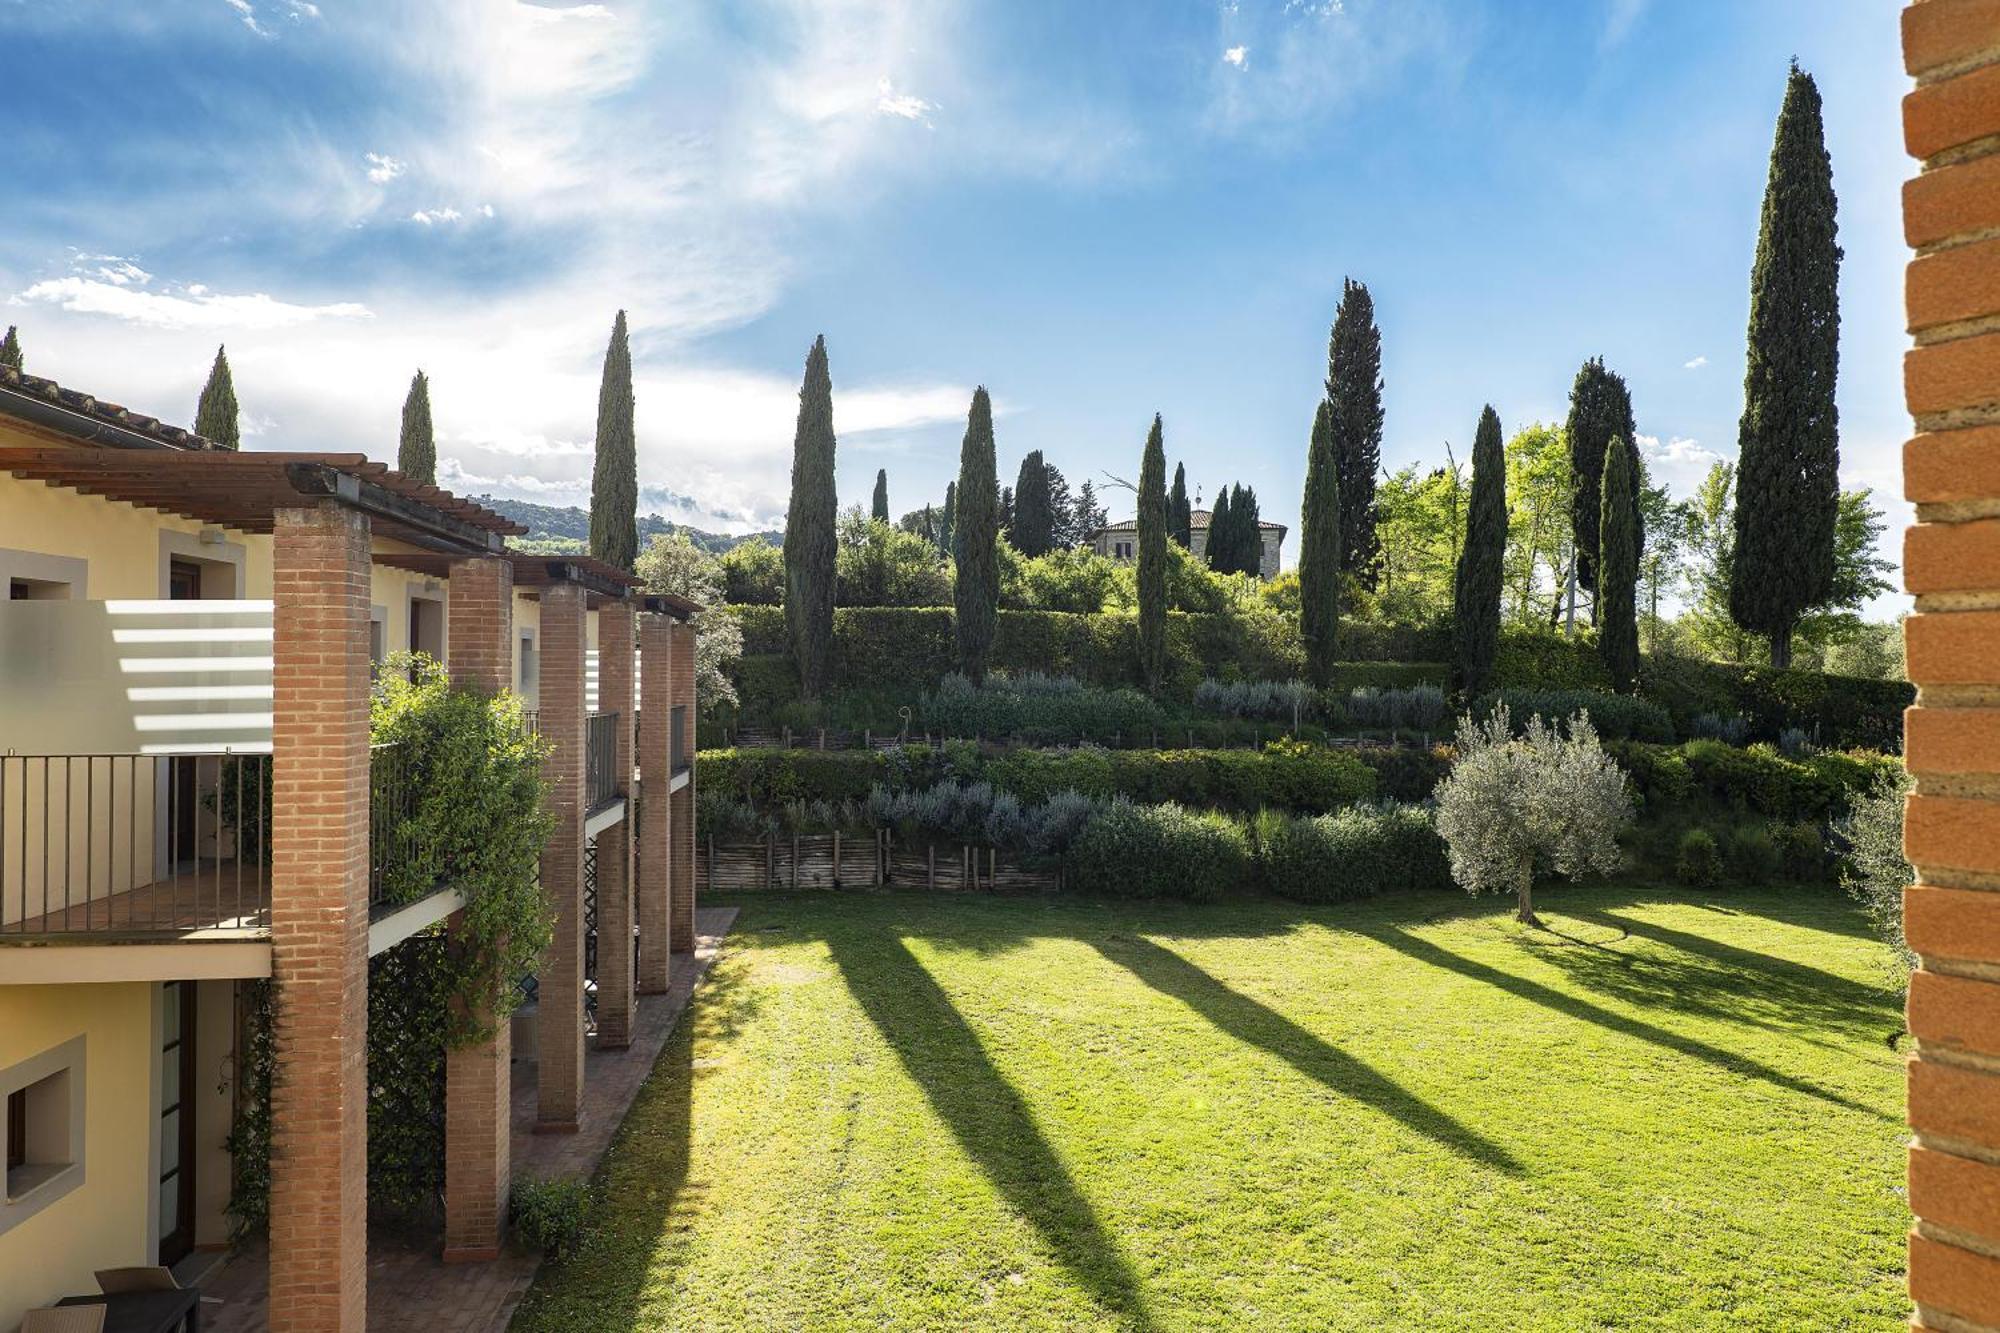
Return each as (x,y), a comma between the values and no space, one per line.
(753,573)
(1617,717)
(1802,854)
(1873,869)
(1351,853)
(552,1215)
(1698,862)
(1037,708)
(1837,712)
(1162,851)
(769,777)
(1415,708)
(1533,659)
(1755,778)
(1404,772)
(1754,858)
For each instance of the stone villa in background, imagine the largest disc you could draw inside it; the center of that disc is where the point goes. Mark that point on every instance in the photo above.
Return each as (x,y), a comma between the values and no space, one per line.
(1120,541)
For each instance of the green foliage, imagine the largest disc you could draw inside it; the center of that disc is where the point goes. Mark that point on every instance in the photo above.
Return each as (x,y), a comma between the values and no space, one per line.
(1152,568)
(947,522)
(1754,778)
(1034,707)
(1616,716)
(768,778)
(878,564)
(1162,851)
(1354,389)
(975,535)
(1476,586)
(1075,579)
(1320,551)
(1419,525)
(472,774)
(1752,855)
(753,574)
(10,348)
(215,415)
(1788,447)
(1600,411)
(552,1216)
(810,541)
(1873,868)
(1357,852)
(1543,659)
(672,563)
(416,447)
(1215,551)
(878,508)
(614,473)
(1540,544)
(1618,566)
(1032,529)
(1180,513)
(1839,712)
(1698,862)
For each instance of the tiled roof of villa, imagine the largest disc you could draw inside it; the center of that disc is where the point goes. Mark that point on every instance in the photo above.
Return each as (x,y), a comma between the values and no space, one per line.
(87,417)
(1198,519)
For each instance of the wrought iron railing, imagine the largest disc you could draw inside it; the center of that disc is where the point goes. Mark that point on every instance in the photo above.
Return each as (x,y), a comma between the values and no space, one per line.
(394,838)
(140,843)
(600,760)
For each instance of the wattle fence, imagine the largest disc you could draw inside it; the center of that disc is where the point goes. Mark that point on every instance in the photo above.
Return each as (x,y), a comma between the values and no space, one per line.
(845,861)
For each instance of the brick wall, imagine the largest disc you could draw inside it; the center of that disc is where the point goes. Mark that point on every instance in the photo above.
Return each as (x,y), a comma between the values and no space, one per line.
(559,996)
(478,1166)
(655,809)
(1952,564)
(680,821)
(615,978)
(319,920)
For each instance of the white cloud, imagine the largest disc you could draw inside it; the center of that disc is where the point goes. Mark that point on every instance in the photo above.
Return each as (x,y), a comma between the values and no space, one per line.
(191,308)
(382,168)
(888,102)
(434,216)
(1237,56)
(1316,56)
(1620,16)
(1680,463)
(248,15)
(298,11)
(1696,364)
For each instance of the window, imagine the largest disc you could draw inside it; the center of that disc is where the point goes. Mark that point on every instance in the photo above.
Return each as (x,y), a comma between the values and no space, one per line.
(530,680)
(1124,550)
(37,590)
(43,1108)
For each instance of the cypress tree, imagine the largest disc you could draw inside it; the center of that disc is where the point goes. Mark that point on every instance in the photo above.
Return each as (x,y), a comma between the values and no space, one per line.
(1475,619)
(1216,554)
(614,476)
(975,591)
(10,348)
(215,414)
(1354,389)
(809,529)
(1032,526)
(1618,567)
(416,451)
(1180,515)
(879,506)
(1600,410)
(1248,541)
(1319,551)
(948,518)
(1152,574)
(1788,446)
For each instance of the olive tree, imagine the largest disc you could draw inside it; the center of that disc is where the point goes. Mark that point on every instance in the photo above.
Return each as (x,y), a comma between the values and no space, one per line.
(1548,799)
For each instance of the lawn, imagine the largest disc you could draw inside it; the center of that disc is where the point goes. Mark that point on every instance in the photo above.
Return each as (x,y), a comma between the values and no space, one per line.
(898,1111)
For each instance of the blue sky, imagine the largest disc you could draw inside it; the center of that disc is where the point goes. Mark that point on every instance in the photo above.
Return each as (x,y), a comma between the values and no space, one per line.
(1098,210)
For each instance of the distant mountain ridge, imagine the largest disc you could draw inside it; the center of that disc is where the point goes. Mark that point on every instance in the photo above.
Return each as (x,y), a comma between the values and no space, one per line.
(555,527)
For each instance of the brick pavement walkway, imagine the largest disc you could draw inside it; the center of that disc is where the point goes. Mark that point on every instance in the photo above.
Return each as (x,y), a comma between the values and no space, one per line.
(410,1288)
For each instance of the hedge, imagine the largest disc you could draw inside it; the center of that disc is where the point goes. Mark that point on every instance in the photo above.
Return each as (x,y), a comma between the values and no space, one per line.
(1757,778)
(1288,777)
(1838,712)
(1616,716)
(1158,851)
(1352,853)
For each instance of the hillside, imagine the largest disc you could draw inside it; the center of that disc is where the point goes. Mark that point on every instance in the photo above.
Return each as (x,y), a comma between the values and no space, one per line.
(552,527)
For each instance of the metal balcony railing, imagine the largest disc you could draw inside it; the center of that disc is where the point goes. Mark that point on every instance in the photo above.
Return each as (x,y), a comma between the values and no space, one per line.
(600,760)
(134,843)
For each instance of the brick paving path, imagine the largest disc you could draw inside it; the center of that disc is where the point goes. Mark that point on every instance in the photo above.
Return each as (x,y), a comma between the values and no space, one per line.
(410,1288)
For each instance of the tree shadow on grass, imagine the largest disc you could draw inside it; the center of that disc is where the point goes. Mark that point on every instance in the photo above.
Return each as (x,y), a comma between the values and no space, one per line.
(1255,1024)
(1424,951)
(991,1122)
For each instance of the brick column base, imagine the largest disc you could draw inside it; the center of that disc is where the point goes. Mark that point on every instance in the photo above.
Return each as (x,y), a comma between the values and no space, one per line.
(655,809)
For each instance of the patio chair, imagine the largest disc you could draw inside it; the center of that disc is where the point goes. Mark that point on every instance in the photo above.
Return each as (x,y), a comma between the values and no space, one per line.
(66,1319)
(147,1277)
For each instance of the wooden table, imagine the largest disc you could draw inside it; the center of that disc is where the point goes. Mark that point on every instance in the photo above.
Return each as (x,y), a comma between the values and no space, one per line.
(147,1311)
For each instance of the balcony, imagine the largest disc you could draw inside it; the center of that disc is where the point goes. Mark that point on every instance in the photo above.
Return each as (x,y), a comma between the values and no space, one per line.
(601,784)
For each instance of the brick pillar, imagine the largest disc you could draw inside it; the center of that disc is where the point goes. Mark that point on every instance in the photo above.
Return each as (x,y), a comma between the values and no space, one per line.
(655,807)
(559,1024)
(478,1168)
(319,920)
(1951,471)
(680,822)
(615,978)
